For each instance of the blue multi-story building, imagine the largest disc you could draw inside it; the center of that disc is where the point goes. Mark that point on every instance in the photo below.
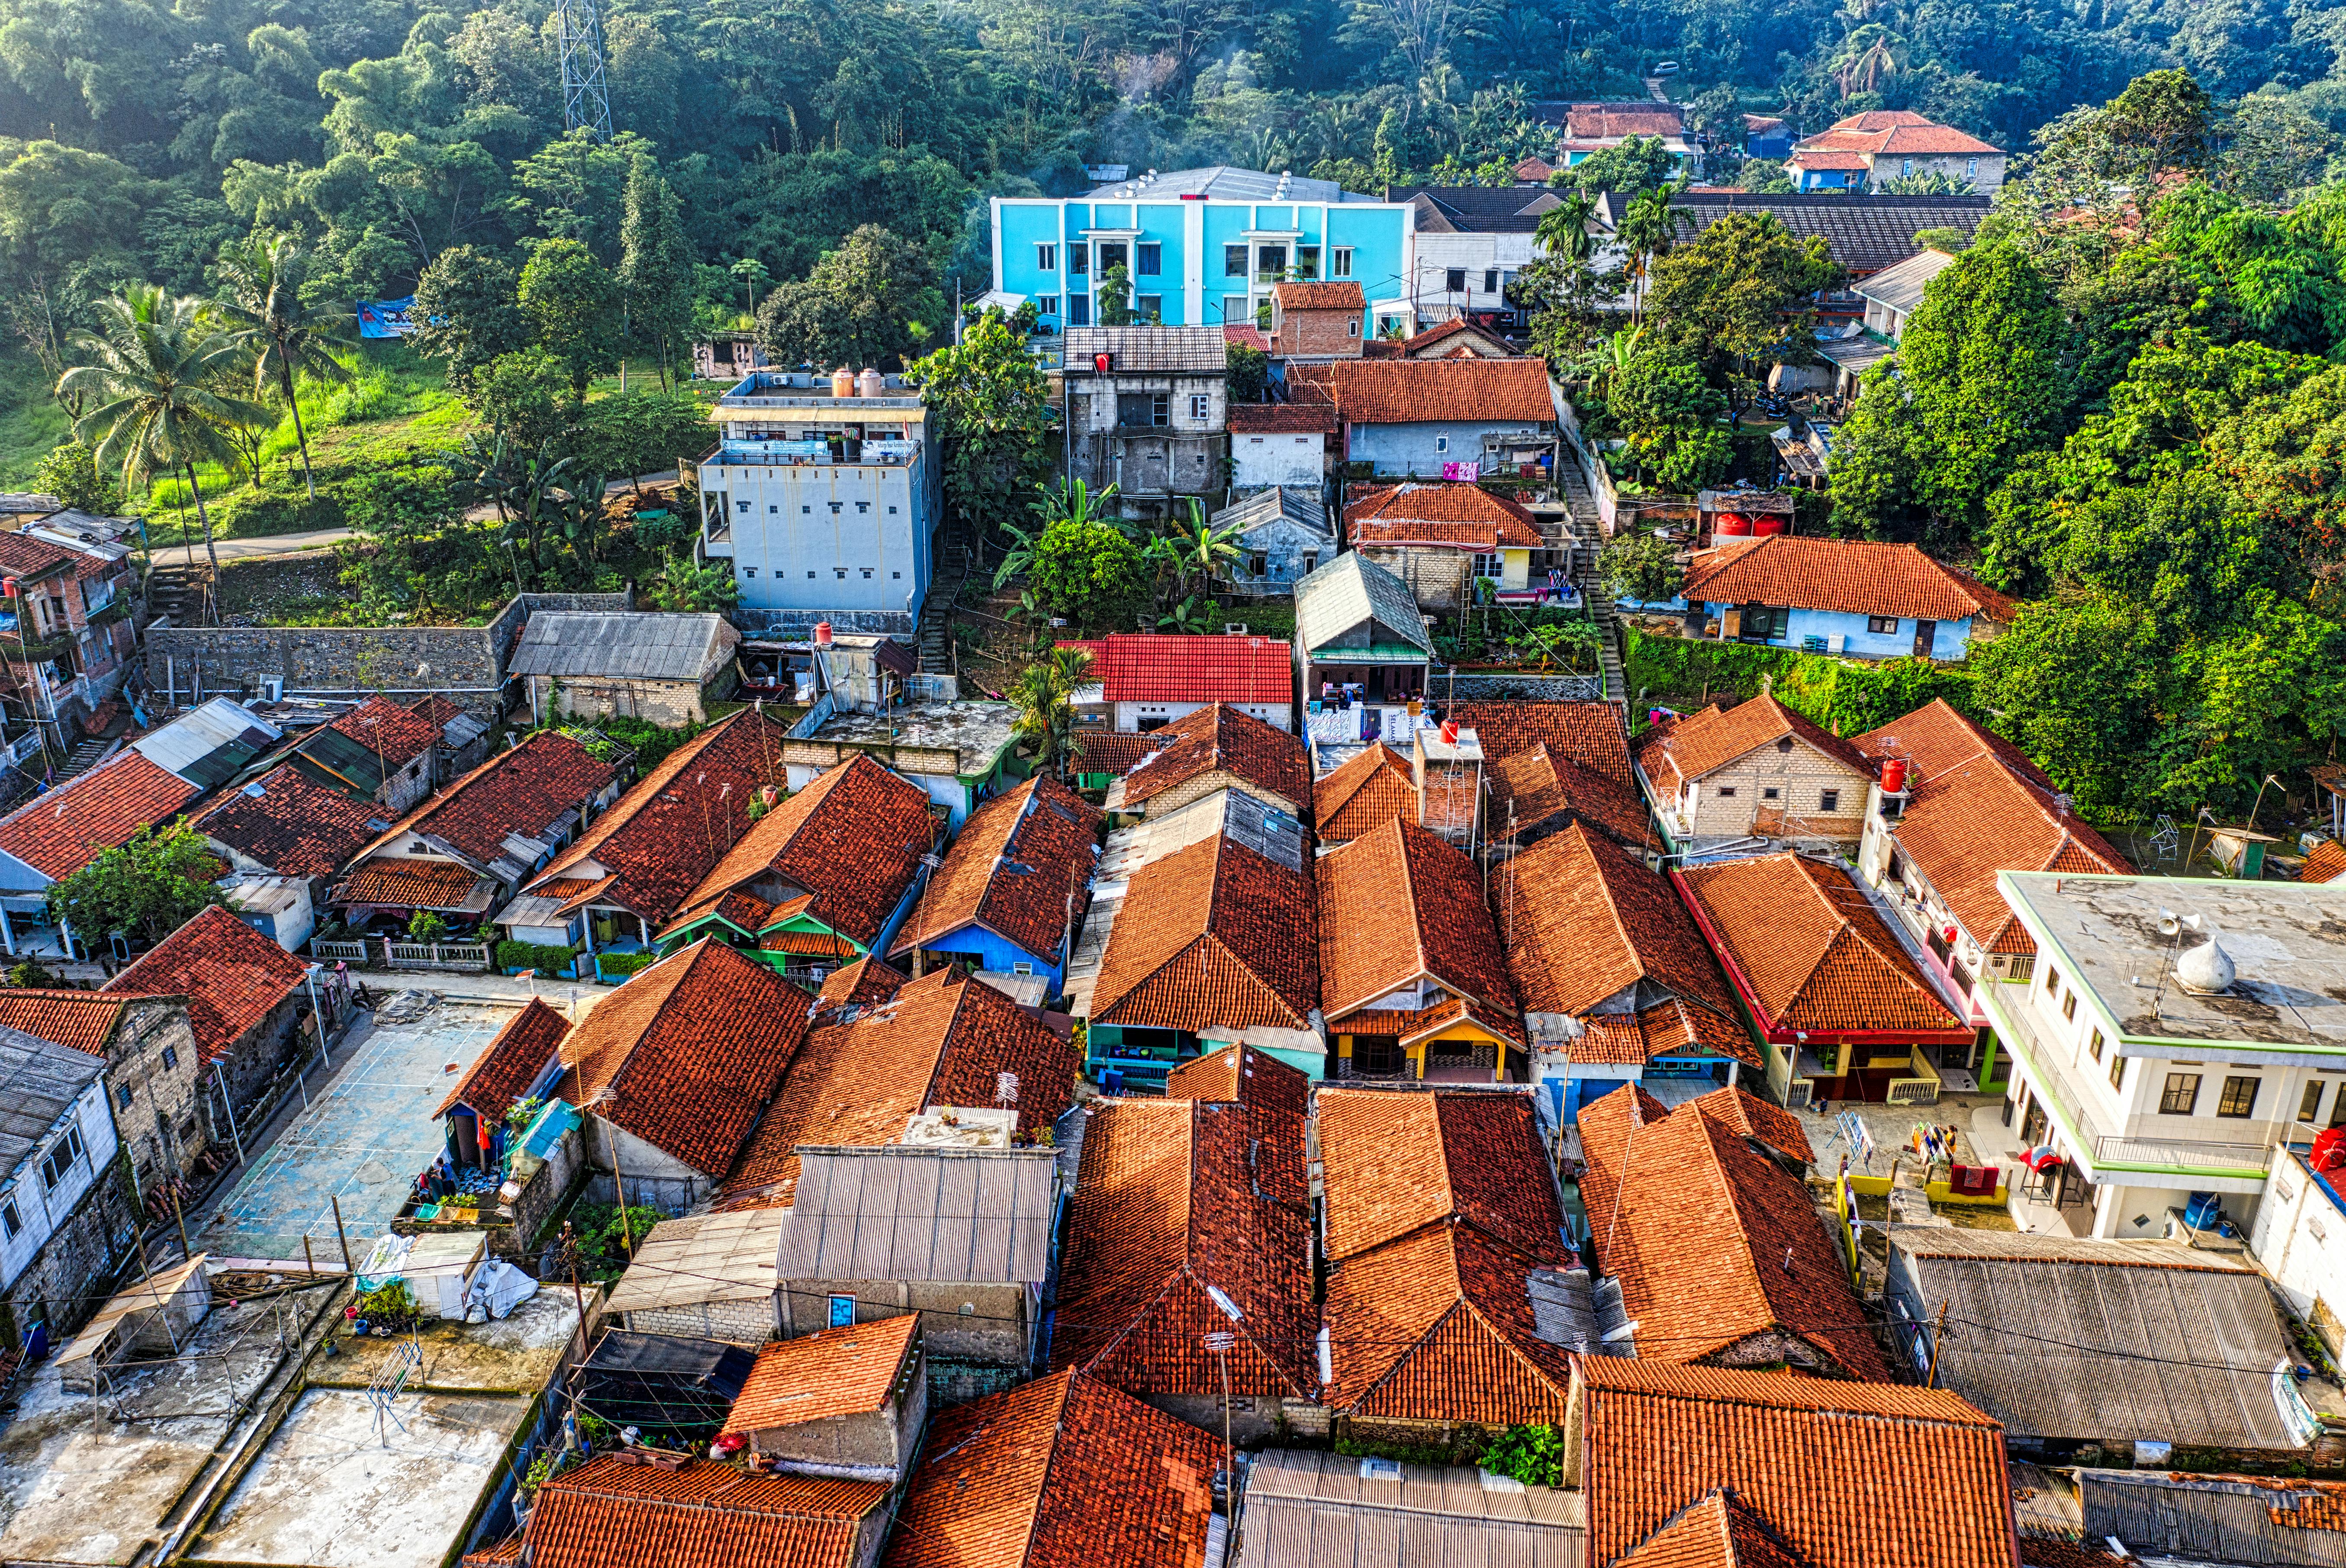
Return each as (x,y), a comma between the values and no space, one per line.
(1203,247)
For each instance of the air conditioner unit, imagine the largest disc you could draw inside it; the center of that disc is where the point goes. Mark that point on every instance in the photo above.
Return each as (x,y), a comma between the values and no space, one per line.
(273,688)
(1234,628)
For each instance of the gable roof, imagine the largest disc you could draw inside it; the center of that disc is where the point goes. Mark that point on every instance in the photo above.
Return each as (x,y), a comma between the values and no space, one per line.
(2325,862)
(1803,1453)
(1477,209)
(1342,295)
(686,1053)
(378,724)
(1340,596)
(1894,133)
(845,1371)
(638,644)
(1407,391)
(1290,503)
(1458,516)
(1702,743)
(1281,419)
(1213,934)
(1398,903)
(1806,949)
(661,838)
(84,1020)
(1178,1202)
(1851,577)
(231,975)
(863,983)
(1219,739)
(59,833)
(509,1064)
(1459,332)
(1149,666)
(1065,1472)
(1375,786)
(1637,116)
(295,827)
(1975,806)
(1397,1161)
(1717,1531)
(942,1040)
(1900,287)
(1587,733)
(1714,1245)
(1864,232)
(1113,750)
(1018,867)
(853,838)
(607,1513)
(1535,791)
(1245,1075)
(528,792)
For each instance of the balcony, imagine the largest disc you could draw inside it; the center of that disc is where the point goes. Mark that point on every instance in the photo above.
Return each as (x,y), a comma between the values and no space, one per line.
(815,453)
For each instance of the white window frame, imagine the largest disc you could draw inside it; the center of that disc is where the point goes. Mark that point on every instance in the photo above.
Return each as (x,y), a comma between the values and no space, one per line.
(1339,261)
(1046,258)
(1200,406)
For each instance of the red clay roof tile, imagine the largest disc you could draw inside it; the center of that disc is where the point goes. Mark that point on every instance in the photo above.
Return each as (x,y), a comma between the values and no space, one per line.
(1343,295)
(505,1068)
(866,983)
(2325,862)
(1807,572)
(1282,418)
(1219,739)
(1396,1161)
(1405,392)
(1717,1531)
(407,884)
(58,833)
(1374,786)
(845,1371)
(1150,666)
(1113,752)
(400,734)
(1211,935)
(293,827)
(1400,906)
(1018,867)
(1702,743)
(1535,792)
(610,1514)
(84,1020)
(1464,516)
(232,976)
(1587,733)
(520,790)
(1239,1073)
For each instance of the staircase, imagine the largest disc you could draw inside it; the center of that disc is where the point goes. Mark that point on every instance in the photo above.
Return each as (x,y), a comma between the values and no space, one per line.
(1609,626)
(85,755)
(953,568)
(178,591)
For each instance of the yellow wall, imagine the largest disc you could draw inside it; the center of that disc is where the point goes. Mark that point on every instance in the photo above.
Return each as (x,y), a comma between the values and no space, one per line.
(1516,569)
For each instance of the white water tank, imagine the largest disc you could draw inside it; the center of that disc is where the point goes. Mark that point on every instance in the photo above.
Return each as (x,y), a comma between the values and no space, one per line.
(869,382)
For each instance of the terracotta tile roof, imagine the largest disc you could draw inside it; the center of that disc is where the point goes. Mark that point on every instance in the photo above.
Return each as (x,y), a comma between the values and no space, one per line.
(1702,743)
(1589,921)
(664,837)
(1807,950)
(1975,806)
(1821,158)
(1113,752)
(1374,786)
(1599,121)
(1063,1472)
(1338,296)
(687,1052)
(84,1020)
(1213,934)
(1715,1532)
(866,983)
(435,710)
(1747,1115)
(2325,862)
(609,1514)
(23,556)
(1398,907)
(1465,516)
(65,829)
(495,1557)
(293,827)
(1018,867)
(1282,418)
(520,790)
(1698,1228)
(1177,1200)
(1398,1161)
(1221,738)
(1149,666)
(1533,792)
(942,1040)
(1810,571)
(1245,337)
(2054,1551)
(745,912)
(231,975)
(1408,392)
(1588,733)
(847,1372)
(1806,1454)
(1671,1028)
(379,724)
(389,883)
(1891,133)
(1239,1073)
(1439,1327)
(505,1068)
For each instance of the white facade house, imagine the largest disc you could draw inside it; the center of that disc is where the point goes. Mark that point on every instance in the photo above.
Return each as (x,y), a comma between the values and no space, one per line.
(821,497)
(2169,1036)
(63,1221)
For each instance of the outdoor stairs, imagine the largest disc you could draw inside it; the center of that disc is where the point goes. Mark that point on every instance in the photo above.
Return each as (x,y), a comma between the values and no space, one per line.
(1608,623)
(85,755)
(176,591)
(937,610)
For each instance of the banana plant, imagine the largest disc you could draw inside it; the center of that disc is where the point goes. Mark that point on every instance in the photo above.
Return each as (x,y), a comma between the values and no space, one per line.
(1191,614)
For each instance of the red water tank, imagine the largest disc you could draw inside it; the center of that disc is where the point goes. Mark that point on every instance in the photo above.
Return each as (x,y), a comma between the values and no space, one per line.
(2329,1149)
(1449,732)
(1893,776)
(1732,526)
(1768,522)
(823,634)
(1100,362)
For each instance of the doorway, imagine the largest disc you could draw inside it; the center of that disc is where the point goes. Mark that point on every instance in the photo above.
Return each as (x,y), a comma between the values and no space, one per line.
(1924,633)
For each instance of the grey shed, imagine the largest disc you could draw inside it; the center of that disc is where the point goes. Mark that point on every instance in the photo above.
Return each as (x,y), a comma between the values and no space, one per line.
(1354,604)
(920,1213)
(1335,1510)
(623,645)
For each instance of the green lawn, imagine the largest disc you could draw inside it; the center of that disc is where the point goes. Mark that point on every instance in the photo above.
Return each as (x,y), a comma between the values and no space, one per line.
(31,422)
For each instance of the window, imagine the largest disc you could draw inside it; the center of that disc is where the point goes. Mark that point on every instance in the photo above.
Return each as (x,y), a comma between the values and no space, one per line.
(1490,280)
(2182,1093)
(1199,405)
(2093,1045)
(1882,626)
(1340,262)
(1046,259)
(1046,304)
(2023,966)
(1906,166)
(1352,328)
(1971,170)
(1727,791)
(60,1158)
(11,1222)
(2069,1006)
(1257,564)
(1079,309)
(1769,794)
(2310,1106)
(2051,980)
(171,1057)
(1113,254)
(125,1096)
(1311,562)
(1079,261)
(1147,260)
(1234,260)
(1151,306)
(2240,1098)
(1143,409)
(1270,262)
(1307,263)
(842,1311)
(1487,566)
(1235,311)
(2117,1072)
(1441,443)
(1453,281)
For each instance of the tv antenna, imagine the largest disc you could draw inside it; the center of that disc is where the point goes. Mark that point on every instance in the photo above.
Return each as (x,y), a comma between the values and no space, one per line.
(585,100)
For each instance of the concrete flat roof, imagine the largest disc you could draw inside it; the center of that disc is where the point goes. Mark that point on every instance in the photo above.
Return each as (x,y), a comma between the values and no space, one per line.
(977,732)
(2287,942)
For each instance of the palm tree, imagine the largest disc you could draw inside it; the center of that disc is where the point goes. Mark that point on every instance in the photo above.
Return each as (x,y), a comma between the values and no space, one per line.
(1045,695)
(287,338)
(1562,229)
(148,372)
(1649,227)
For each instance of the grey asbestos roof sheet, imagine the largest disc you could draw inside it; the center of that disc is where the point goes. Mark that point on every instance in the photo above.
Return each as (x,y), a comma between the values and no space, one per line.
(38,1082)
(2227,1518)
(702,1258)
(612,645)
(978,1215)
(1219,182)
(1901,287)
(1866,233)
(2061,1337)
(1349,590)
(1141,350)
(1292,502)
(1334,1510)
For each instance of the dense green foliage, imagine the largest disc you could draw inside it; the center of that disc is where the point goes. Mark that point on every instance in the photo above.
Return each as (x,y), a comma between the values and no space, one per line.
(145,889)
(1845,696)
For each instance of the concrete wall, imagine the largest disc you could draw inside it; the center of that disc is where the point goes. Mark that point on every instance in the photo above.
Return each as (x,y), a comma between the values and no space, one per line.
(1134,717)
(66,1282)
(1949,640)
(1476,255)
(670,704)
(1423,447)
(655,1178)
(852,536)
(1296,459)
(257,1068)
(735,1322)
(998,1330)
(158,1122)
(878,1441)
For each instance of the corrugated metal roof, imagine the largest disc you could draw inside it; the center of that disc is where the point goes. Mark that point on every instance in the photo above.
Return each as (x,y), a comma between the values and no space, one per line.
(628,645)
(1292,503)
(937,1214)
(1337,1511)
(1349,590)
(702,1258)
(38,1082)
(211,745)
(1901,287)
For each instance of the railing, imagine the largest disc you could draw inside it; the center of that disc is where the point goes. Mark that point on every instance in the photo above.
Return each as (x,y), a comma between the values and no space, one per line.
(464,955)
(1922,1089)
(350,951)
(2185,1154)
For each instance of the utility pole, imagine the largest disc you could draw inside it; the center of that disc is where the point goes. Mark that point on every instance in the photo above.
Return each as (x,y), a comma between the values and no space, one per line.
(585,100)
(1930,1378)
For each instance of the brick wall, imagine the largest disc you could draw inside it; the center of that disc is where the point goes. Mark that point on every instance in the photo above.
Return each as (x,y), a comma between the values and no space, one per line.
(1799,777)
(1319,334)
(153,1055)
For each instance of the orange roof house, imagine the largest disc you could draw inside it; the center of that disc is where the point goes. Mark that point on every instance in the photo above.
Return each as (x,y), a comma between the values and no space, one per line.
(1754,770)
(1887,601)
(248,1001)
(53,835)
(1013,885)
(519,1062)
(852,1398)
(1216,748)
(1189,1218)
(1824,980)
(283,824)
(1242,1073)
(2325,862)
(1440,539)
(1719,1255)
(1870,149)
(610,1513)
(1062,1472)
(1374,786)
(1440,1212)
(1411,978)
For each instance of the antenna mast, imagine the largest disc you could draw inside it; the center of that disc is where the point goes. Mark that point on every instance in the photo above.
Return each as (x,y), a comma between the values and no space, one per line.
(585,101)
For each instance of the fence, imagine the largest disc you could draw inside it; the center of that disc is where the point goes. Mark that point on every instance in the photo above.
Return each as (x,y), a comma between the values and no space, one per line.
(350,951)
(464,955)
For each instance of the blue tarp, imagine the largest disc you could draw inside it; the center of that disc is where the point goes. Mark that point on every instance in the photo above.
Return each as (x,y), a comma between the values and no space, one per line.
(386,318)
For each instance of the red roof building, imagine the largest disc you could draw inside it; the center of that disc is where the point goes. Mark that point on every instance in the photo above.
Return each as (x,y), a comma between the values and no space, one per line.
(2325,862)
(1440,516)
(1148,667)
(58,833)
(510,1065)
(1243,1074)
(1212,936)
(1754,770)
(245,996)
(1103,755)
(282,824)
(1374,786)
(1217,748)
(611,1513)
(1375,392)
(1883,145)
(1848,576)
(1018,873)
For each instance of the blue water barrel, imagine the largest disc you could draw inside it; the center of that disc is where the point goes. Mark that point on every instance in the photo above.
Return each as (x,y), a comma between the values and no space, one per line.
(2202,1212)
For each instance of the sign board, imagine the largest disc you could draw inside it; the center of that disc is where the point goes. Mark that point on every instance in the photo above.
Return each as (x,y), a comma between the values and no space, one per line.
(386,318)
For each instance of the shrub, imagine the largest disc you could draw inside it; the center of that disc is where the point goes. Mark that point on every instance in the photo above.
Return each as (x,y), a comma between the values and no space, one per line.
(1844,697)
(533,955)
(624,963)
(1532,1454)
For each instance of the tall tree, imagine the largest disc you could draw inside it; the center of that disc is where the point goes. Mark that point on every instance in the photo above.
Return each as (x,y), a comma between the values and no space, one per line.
(572,304)
(866,303)
(288,339)
(1741,296)
(466,303)
(655,264)
(994,404)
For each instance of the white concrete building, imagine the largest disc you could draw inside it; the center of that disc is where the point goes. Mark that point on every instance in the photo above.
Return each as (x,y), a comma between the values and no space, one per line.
(822,495)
